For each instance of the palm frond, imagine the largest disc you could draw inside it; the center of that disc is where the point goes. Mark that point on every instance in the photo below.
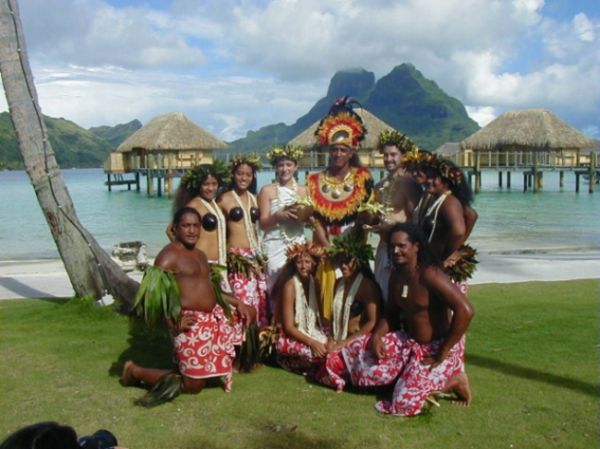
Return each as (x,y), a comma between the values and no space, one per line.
(158,296)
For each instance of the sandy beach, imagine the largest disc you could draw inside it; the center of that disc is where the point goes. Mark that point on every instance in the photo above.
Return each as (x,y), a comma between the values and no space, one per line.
(48,279)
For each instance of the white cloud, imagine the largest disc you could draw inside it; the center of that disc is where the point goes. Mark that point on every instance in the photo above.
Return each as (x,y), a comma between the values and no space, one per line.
(91,32)
(247,64)
(482,115)
(226,106)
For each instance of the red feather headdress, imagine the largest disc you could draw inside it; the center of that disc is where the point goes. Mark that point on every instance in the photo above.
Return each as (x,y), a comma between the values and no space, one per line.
(341,126)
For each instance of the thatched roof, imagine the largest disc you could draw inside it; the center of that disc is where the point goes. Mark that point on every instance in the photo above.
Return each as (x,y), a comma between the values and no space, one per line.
(373,124)
(172,131)
(532,128)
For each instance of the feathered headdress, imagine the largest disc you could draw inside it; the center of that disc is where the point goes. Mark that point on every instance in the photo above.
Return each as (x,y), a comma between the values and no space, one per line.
(341,125)
(346,246)
(288,152)
(298,249)
(251,159)
(393,137)
(196,175)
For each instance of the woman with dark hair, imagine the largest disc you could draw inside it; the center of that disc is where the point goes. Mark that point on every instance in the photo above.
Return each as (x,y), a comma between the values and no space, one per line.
(245,261)
(357,297)
(279,218)
(302,343)
(356,302)
(449,218)
(199,189)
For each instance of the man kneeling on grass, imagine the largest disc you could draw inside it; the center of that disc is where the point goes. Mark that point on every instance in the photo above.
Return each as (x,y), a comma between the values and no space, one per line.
(178,289)
(420,343)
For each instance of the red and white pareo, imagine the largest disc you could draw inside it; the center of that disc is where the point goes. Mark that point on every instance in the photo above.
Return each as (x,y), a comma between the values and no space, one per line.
(206,350)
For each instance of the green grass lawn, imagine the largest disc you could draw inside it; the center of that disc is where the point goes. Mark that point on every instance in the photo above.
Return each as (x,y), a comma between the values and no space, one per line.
(531,357)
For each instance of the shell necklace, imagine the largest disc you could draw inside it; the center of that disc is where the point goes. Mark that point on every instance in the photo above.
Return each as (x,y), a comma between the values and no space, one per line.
(341,309)
(306,314)
(250,231)
(434,209)
(221,228)
(331,184)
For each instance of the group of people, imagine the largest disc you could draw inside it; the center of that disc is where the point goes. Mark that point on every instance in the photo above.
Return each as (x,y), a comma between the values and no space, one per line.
(319,304)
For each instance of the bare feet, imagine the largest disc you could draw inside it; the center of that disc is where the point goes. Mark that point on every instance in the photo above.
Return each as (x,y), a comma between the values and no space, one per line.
(127,378)
(459,385)
(227,382)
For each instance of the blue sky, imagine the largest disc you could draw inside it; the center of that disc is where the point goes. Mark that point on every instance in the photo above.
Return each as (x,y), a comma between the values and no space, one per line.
(234,66)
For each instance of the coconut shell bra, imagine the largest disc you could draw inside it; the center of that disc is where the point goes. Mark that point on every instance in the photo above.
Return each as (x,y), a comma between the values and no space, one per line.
(209,222)
(236,214)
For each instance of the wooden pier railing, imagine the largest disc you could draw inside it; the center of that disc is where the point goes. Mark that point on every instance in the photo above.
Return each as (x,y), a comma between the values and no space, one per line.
(532,164)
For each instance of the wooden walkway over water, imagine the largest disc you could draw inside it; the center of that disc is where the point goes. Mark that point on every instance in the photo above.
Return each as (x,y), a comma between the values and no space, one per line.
(531,165)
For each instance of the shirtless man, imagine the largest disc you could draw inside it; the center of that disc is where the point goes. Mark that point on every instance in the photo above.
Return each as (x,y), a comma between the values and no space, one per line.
(203,327)
(399,193)
(428,354)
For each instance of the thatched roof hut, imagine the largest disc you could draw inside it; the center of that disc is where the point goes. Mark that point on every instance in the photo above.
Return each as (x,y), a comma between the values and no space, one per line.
(168,132)
(374,125)
(529,129)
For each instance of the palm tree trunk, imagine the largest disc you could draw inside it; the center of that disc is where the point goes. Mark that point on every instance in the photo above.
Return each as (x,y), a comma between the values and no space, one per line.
(91,270)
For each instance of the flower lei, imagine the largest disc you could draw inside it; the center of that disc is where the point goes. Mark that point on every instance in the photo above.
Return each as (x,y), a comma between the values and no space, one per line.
(341,309)
(298,249)
(307,311)
(288,152)
(445,168)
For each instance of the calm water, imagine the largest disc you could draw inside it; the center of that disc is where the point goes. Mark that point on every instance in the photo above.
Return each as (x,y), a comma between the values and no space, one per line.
(508,220)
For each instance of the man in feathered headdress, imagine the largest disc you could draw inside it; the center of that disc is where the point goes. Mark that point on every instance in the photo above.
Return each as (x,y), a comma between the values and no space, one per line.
(339,190)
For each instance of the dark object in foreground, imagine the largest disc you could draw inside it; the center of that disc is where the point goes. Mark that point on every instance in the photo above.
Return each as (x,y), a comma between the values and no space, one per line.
(166,389)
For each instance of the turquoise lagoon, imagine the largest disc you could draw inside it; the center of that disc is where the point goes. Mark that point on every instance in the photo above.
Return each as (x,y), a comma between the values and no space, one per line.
(510,221)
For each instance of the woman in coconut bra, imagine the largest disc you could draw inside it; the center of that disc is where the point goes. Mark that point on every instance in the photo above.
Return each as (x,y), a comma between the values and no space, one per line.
(199,190)
(245,261)
(279,218)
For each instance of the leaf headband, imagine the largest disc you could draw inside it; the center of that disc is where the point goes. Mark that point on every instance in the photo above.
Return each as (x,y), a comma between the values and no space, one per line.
(345,246)
(194,177)
(251,159)
(393,137)
(288,152)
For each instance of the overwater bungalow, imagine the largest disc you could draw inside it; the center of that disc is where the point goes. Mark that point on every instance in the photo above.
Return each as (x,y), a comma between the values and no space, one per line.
(531,141)
(523,136)
(161,149)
